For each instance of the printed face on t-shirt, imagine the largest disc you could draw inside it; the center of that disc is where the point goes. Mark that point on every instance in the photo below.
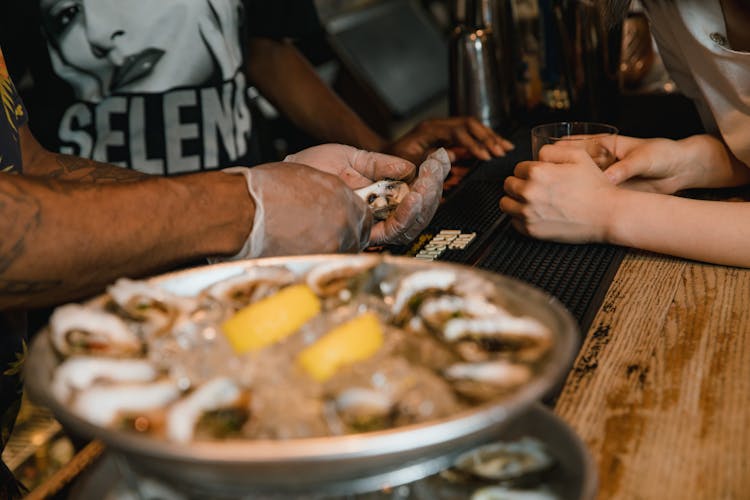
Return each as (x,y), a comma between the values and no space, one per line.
(102,47)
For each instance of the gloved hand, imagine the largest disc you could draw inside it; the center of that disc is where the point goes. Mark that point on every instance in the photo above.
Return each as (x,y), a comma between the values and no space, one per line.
(300,210)
(418,207)
(356,167)
(359,168)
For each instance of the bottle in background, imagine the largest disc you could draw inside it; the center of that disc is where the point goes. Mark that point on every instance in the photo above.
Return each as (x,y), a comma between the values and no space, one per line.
(478,86)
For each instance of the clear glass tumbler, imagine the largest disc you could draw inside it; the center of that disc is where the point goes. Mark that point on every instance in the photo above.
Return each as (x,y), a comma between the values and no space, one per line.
(598,139)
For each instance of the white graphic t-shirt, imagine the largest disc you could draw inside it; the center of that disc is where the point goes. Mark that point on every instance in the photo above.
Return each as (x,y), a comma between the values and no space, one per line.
(158,86)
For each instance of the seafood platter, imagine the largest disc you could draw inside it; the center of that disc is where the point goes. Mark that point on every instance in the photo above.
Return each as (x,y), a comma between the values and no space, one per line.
(331,373)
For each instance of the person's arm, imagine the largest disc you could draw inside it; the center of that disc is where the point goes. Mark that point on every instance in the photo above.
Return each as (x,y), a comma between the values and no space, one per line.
(63,240)
(566,197)
(710,231)
(286,79)
(730,171)
(667,166)
(70,225)
(40,162)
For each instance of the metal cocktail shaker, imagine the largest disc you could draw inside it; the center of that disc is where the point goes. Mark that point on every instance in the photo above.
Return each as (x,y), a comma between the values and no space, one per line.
(477,86)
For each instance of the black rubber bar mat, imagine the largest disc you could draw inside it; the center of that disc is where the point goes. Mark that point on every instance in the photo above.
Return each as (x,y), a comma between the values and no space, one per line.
(577,275)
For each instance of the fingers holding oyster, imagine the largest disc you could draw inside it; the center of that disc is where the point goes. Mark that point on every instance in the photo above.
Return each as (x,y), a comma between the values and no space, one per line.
(402,198)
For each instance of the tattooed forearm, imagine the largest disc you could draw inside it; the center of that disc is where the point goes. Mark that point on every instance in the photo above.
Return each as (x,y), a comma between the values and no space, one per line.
(12,287)
(20,215)
(73,168)
(25,274)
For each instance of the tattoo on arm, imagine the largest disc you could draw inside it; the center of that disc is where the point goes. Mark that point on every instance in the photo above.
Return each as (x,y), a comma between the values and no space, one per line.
(74,168)
(21,214)
(84,170)
(14,287)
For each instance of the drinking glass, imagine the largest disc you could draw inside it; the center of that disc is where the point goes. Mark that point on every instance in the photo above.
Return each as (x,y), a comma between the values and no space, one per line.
(598,139)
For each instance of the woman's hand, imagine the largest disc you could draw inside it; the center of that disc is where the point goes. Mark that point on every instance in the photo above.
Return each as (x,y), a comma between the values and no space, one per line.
(652,165)
(665,166)
(564,196)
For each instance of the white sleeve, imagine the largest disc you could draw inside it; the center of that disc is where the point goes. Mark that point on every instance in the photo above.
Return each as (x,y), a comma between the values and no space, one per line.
(661,17)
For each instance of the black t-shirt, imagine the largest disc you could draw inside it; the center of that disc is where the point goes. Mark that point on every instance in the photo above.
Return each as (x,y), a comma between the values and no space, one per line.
(12,325)
(155,86)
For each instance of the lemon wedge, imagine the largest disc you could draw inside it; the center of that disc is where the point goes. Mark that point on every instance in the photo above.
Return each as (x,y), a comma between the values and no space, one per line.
(271,319)
(353,341)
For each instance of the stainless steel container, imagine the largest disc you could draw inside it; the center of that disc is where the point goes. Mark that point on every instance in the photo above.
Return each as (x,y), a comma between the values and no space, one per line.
(480,84)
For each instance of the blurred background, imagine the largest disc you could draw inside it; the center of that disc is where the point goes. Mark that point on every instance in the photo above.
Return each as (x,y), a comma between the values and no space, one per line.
(397,62)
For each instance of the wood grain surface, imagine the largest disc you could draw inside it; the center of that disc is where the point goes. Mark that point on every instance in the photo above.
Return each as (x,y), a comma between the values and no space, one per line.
(660,391)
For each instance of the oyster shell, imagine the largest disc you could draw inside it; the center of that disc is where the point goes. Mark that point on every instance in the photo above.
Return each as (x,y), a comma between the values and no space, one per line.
(364,408)
(503,493)
(437,311)
(416,285)
(506,461)
(103,404)
(77,329)
(332,277)
(484,380)
(81,372)
(525,338)
(155,308)
(383,196)
(250,286)
(184,415)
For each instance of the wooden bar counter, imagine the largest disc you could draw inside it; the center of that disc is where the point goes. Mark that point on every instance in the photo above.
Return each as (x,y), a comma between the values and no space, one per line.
(660,390)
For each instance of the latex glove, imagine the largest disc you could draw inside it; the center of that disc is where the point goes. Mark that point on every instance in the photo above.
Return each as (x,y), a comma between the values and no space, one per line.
(300,210)
(653,165)
(418,207)
(463,136)
(356,167)
(360,168)
(564,197)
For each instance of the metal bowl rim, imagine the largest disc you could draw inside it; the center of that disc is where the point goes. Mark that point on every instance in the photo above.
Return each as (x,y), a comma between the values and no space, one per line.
(379,443)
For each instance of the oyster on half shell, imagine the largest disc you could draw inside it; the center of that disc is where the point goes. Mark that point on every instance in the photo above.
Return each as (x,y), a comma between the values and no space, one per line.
(506,460)
(383,196)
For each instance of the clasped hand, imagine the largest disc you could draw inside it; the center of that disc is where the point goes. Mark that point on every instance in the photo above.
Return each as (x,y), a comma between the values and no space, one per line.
(651,165)
(564,196)
(358,168)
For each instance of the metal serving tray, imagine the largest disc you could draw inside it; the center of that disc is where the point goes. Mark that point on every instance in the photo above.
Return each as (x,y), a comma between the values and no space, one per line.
(334,465)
